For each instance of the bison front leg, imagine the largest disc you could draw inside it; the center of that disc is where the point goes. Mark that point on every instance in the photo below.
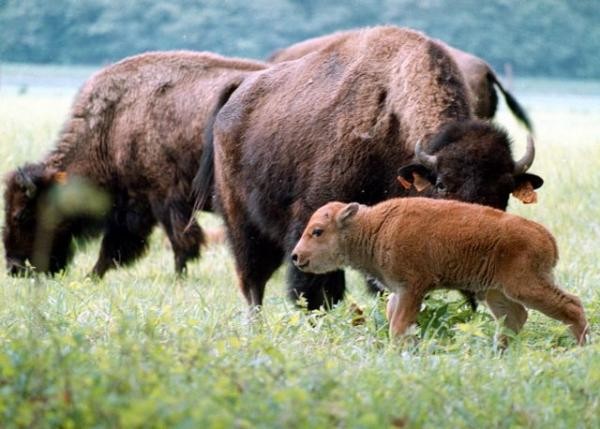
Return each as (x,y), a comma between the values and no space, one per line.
(125,238)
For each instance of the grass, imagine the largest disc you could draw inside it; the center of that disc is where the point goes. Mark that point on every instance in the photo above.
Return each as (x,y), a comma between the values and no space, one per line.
(142,348)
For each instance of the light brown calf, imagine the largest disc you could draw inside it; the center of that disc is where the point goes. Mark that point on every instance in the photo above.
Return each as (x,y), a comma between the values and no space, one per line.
(415,245)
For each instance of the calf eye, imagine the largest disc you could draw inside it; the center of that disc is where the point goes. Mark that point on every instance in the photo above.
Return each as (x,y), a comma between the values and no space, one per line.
(317,232)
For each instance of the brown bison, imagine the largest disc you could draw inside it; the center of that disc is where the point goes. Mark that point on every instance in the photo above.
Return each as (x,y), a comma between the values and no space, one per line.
(415,245)
(136,132)
(479,75)
(342,123)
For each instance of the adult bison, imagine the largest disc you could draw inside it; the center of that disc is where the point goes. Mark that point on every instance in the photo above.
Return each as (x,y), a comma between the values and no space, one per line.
(342,123)
(479,75)
(135,131)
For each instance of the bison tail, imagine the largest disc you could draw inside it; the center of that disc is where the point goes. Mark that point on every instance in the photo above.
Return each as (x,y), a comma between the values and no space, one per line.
(513,104)
(203,182)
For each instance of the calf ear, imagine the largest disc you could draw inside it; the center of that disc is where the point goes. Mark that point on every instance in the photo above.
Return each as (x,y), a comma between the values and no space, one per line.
(347,213)
(416,175)
(524,187)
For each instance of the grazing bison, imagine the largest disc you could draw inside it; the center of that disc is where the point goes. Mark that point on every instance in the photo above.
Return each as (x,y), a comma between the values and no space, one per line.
(337,124)
(415,245)
(136,132)
(479,75)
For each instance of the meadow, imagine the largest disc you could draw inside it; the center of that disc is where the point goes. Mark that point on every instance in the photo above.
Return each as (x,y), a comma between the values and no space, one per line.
(143,348)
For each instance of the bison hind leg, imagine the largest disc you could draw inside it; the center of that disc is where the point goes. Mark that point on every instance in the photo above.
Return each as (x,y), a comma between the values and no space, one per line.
(513,313)
(185,235)
(540,293)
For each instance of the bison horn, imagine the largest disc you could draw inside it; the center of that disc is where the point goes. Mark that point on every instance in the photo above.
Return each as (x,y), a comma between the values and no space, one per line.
(522,165)
(429,161)
(24,181)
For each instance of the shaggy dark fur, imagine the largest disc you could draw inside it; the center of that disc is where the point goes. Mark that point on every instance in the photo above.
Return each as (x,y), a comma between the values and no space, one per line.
(135,131)
(335,125)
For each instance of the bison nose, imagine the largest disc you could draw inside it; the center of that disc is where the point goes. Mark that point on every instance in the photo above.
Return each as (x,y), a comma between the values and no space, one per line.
(294,258)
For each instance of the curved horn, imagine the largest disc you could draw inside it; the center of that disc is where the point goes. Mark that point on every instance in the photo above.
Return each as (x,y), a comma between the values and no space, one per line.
(522,165)
(24,181)
(429,161)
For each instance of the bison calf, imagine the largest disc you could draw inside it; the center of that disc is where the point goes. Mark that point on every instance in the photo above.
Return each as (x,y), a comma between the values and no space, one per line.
(415,245)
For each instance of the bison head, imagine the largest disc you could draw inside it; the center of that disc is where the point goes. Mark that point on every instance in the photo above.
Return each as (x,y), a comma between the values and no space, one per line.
(472,162)
(24,189)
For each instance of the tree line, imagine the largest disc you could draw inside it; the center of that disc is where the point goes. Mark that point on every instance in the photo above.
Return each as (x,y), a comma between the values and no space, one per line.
(555,38)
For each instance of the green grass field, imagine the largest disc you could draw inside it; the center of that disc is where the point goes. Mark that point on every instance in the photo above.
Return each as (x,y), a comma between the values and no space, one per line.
(142,348)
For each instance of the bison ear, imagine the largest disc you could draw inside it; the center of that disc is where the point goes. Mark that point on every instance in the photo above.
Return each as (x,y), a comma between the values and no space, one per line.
(416,175)
(524,187)
(60,177)
(346,214)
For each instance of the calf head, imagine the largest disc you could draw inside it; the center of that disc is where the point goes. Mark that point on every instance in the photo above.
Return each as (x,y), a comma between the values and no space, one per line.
(25,187)
(472,162)
(319,250)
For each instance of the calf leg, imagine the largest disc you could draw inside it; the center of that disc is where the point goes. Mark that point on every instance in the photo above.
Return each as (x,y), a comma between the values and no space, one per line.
(514,314)
(391,305)
(404,311)
(540,293)
(125,238)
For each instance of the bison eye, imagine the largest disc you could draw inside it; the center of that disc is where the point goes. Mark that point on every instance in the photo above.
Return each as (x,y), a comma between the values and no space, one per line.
(317,232)
(440,186)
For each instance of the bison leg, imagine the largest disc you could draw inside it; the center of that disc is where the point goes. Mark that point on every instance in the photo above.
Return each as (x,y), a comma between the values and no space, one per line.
(540,293)
(514,314)
(392,303)
(374,286)
(256,258)
(319,290)
(403,310)
(125,238)
(185,236)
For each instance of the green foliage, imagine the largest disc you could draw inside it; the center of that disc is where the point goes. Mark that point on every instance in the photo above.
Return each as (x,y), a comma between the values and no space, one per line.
(142,348)
(539,38)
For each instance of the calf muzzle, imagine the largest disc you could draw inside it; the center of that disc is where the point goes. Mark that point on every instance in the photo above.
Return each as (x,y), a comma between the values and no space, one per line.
(299,262)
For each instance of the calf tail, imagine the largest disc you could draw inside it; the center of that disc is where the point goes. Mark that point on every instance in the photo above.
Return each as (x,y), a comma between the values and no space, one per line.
(513,104)
(203,182)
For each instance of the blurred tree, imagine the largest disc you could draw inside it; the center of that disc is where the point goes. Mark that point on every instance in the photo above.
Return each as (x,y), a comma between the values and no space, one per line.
(539,38)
